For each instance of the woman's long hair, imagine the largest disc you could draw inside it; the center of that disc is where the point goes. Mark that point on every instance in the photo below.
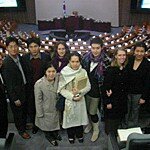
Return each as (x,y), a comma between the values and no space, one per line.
(66,48)
(114,62)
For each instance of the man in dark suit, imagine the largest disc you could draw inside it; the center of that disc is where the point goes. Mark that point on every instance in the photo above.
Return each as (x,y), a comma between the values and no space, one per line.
(3,105)
(36,62)
(14,75)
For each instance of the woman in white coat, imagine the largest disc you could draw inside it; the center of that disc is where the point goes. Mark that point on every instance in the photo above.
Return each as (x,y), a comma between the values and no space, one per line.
(47,117)
(75,113)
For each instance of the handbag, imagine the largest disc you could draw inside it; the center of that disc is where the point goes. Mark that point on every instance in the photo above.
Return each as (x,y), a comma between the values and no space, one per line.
(60,104)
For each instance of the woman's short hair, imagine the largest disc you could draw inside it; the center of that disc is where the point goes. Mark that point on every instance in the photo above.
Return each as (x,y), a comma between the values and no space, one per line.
(140,44)
(49,65)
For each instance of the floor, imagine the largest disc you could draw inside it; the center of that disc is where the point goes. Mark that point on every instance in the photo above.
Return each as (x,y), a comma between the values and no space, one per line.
(39,142)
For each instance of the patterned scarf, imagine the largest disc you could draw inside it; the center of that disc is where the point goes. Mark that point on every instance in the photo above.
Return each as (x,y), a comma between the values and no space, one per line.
(100,67)
(64,61)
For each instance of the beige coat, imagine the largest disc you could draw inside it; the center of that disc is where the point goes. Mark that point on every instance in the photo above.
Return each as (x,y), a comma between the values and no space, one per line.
(47,117)
(75,113)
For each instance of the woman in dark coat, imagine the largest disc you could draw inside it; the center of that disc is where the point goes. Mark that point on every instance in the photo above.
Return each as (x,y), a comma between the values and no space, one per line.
(60,59)
(139,83)
(115,92)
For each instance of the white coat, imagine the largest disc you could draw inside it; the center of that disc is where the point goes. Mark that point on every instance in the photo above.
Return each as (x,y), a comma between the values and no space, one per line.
(75,113)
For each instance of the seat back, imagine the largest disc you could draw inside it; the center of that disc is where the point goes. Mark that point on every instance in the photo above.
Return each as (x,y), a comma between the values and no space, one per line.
(138,141)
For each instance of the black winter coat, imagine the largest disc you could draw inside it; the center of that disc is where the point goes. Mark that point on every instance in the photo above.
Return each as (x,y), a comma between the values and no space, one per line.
(116,80)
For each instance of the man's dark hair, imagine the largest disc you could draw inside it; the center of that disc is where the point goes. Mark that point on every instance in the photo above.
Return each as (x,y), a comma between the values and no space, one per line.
(11,39)
(96,40)
(33,40)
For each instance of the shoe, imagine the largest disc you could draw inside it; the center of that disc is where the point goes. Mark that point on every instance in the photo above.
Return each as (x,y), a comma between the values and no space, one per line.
(95,134)
(25,135)
(81,140)
(58,137)
(53,142)
(88,128)
(35,130)
(71,141)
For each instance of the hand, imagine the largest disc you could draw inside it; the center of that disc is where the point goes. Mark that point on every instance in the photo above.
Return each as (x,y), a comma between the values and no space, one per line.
(109,93)
(141,101)
(109,106)
(77,98)
(18,103)
(75,91)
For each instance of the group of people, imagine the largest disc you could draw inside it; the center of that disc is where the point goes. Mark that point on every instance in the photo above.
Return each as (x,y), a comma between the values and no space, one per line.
(34,82)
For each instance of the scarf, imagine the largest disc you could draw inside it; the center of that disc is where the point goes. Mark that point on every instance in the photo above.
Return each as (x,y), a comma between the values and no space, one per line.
(64,61)
(100,67)
(68,74)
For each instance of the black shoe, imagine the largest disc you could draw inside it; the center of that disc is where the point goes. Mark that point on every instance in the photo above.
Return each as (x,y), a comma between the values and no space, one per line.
(71,141)
(58,137)
(81,140)
(35,130)
(53,142)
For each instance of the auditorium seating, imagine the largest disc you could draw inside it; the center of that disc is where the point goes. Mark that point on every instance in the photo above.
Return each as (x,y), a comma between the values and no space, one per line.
(126,39)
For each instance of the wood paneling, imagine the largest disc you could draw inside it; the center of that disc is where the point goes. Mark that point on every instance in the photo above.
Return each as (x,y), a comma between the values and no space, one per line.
(27,16)
(128,18)
(125,16)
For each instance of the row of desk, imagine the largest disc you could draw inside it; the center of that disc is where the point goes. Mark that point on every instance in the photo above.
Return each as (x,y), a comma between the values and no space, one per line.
(74,23)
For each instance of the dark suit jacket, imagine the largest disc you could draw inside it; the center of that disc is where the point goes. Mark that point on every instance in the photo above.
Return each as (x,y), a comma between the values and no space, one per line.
(3,111)
(3,103)
(44,60)
(13,79)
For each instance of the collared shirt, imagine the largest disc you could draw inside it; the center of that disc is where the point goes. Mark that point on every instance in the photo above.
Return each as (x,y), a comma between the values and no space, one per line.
(17,61)
(92,66)
(38,56)
(1,79)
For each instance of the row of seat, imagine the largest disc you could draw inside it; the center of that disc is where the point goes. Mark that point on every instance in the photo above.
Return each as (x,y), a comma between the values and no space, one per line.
(126,39)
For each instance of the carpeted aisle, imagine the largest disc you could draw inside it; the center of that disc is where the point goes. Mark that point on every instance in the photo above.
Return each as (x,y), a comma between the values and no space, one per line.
(38,141)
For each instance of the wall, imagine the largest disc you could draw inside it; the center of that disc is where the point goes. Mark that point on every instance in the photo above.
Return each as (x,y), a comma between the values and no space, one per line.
(128,18)
(105,10)
(22,17)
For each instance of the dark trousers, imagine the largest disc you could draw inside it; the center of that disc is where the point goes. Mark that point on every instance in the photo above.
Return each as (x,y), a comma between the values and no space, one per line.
(31,111)
(75,131)
(111,125)
(133,110)
(20,116)
(3,118)
(51,135)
